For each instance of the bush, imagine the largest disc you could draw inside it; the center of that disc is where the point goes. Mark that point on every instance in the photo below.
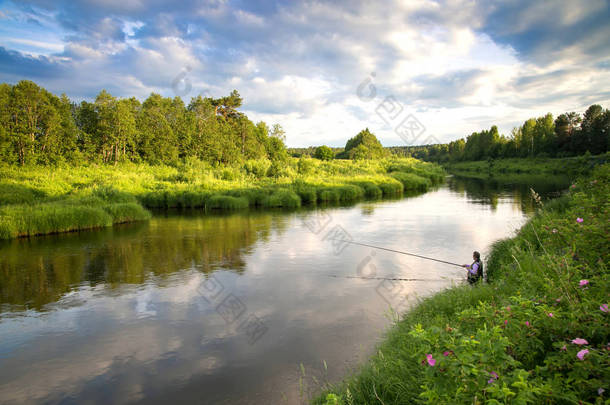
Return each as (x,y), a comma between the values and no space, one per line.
(305,165)
(257,168)
(324,153)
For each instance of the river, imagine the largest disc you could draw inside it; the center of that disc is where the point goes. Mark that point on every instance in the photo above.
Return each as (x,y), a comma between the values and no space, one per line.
(256,307)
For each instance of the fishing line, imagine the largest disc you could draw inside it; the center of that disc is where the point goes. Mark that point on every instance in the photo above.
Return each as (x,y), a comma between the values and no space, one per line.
(397,251)
(387,278)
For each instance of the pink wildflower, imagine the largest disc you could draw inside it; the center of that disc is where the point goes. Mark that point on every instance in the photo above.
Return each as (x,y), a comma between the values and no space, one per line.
(506,322)
(583,283)
(579,341)
(579,220)
(604,307)
(527,323)
(550,314)
(581,354)
(447,353)
(430,360)
(564,348)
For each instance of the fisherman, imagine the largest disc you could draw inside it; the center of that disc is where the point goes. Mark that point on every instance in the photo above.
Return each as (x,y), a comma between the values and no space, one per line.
(475,270)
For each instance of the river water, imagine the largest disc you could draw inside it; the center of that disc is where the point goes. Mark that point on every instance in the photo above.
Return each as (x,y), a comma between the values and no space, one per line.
(257,307)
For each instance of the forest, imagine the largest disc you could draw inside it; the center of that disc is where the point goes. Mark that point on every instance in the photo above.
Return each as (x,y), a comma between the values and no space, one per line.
(38,127)
(570,134)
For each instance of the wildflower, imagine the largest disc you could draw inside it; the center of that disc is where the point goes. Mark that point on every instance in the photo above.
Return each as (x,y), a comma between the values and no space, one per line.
(550,314)
(579,220)
(581,354)
(508,308)
(579,341)
(506,322)
(447,353)
(600,391)
(430,360)
(583,283)
(527,323)
(604,307)
(555,230)
(573,186)
(558,300)
(493,378)
(563,348)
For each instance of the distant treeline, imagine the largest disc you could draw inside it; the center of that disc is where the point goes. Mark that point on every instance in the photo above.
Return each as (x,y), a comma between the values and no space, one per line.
(37,127)
(570,134)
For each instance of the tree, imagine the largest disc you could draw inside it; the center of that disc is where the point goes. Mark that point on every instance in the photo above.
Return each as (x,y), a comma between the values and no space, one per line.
(278,132)
(565,126)
(324,153)
(364,145)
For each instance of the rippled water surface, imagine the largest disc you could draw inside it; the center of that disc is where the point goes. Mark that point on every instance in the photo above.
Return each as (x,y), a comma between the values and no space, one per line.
(218,309)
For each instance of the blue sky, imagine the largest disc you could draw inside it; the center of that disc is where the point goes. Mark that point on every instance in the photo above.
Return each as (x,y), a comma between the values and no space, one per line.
(457,66)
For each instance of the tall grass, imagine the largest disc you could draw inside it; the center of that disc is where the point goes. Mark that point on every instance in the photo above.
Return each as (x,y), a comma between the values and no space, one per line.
(53,199)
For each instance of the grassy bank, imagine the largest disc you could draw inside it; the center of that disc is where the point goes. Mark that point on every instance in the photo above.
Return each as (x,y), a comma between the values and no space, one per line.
(538,332)
(42,200)
(573,166)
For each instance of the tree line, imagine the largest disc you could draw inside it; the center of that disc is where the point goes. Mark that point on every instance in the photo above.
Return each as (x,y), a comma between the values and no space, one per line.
(570,134)
(38,127)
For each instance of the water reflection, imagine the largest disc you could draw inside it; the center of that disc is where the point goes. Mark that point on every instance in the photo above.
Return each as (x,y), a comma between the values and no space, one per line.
(490,190)
(118,315)
(55,265)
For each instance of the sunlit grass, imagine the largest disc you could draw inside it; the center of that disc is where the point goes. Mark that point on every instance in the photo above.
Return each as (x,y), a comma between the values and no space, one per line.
(38,200)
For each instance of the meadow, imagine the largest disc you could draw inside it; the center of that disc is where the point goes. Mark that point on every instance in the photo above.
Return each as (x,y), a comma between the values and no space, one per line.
(43,199)
(536,332)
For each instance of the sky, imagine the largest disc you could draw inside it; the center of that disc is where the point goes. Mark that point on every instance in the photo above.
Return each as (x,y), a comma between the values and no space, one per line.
(413,72)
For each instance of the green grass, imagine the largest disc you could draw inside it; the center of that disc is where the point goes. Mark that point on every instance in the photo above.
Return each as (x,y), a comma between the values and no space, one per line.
(509,340)
(54,199)
(536,166)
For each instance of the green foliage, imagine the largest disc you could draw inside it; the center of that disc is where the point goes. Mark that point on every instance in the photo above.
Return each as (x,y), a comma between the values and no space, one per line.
(412,181)
(282,198)
(36,127)
(324,153)
(225,202)
(365,145)
(122,191)
(305,166)
(537,333)
(570,134)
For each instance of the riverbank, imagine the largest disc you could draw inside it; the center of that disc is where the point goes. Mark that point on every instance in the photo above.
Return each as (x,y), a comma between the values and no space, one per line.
(573,166)
(537,333)
(43,200)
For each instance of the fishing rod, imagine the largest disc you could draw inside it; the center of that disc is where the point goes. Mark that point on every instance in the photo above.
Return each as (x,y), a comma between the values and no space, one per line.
(398,251)
(385,278)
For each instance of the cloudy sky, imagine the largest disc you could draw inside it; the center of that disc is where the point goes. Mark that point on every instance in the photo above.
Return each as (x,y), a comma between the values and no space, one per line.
(324,70)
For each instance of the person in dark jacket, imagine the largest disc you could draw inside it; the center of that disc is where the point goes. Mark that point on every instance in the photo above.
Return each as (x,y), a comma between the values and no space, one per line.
(475,270)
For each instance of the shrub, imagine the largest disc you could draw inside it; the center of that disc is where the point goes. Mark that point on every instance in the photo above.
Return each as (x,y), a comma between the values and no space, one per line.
(257,168)
(305,165)
(324,153)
